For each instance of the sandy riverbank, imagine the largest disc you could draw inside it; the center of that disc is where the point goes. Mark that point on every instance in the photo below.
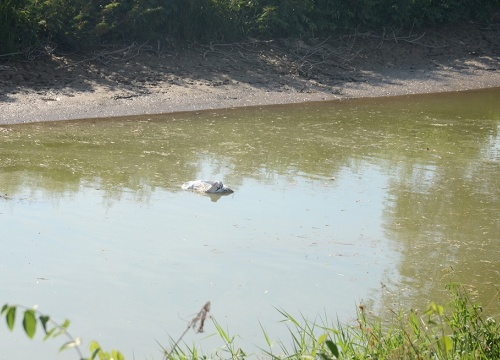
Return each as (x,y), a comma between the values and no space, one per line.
(146,79)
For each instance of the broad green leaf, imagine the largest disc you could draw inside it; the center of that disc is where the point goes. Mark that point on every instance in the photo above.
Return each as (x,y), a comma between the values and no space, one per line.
(94,345)
(446,343)
(11,317)
(95,348)
(29,323)
(94,354)
(44,319)
(70,344)
(434,308)
(49,333)
(62,328)
(65,324)
(431,309)
(333,347)
(116,355)
(5,307)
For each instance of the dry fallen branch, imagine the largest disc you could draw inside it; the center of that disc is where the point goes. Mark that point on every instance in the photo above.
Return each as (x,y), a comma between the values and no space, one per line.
(10,54)
(122,54)
(200,317)
(412,39)
(283,56)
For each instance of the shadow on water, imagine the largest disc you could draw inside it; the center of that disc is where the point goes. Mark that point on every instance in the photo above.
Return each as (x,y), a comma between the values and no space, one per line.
(330,200)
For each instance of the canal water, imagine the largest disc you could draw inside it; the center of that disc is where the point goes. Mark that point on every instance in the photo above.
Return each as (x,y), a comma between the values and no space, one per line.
(376,201)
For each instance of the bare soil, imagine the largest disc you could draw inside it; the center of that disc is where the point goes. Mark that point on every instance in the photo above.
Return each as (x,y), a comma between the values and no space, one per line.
(148,78)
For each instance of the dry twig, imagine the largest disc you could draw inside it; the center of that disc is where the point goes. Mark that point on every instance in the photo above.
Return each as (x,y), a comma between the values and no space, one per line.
(123,54)
(201,316)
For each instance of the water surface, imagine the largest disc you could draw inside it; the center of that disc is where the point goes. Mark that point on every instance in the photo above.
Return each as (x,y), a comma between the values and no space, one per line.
(382,201)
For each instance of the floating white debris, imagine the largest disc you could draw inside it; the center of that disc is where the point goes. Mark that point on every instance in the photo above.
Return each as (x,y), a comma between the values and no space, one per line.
(207,186)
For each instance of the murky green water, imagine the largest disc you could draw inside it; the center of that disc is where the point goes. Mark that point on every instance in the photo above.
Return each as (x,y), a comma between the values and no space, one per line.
(331,201)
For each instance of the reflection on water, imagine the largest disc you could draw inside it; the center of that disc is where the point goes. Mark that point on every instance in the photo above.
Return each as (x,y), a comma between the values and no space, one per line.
(330,200)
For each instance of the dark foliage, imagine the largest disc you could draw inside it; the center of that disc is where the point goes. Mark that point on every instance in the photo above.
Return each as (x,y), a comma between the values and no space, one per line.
(71,24)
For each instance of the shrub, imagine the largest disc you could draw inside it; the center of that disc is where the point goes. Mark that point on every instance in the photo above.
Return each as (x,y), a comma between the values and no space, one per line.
(76,23)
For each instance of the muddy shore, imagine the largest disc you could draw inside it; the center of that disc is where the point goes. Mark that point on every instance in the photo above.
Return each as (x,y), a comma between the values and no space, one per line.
(145,79)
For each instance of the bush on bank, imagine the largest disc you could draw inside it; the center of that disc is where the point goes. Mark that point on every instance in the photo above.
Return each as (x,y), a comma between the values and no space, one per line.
(72,24)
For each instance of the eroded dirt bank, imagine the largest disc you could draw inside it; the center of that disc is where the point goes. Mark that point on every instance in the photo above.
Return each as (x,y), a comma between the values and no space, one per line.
(147,79)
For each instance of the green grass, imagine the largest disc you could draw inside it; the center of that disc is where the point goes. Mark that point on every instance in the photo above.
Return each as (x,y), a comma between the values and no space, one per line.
(457,330)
